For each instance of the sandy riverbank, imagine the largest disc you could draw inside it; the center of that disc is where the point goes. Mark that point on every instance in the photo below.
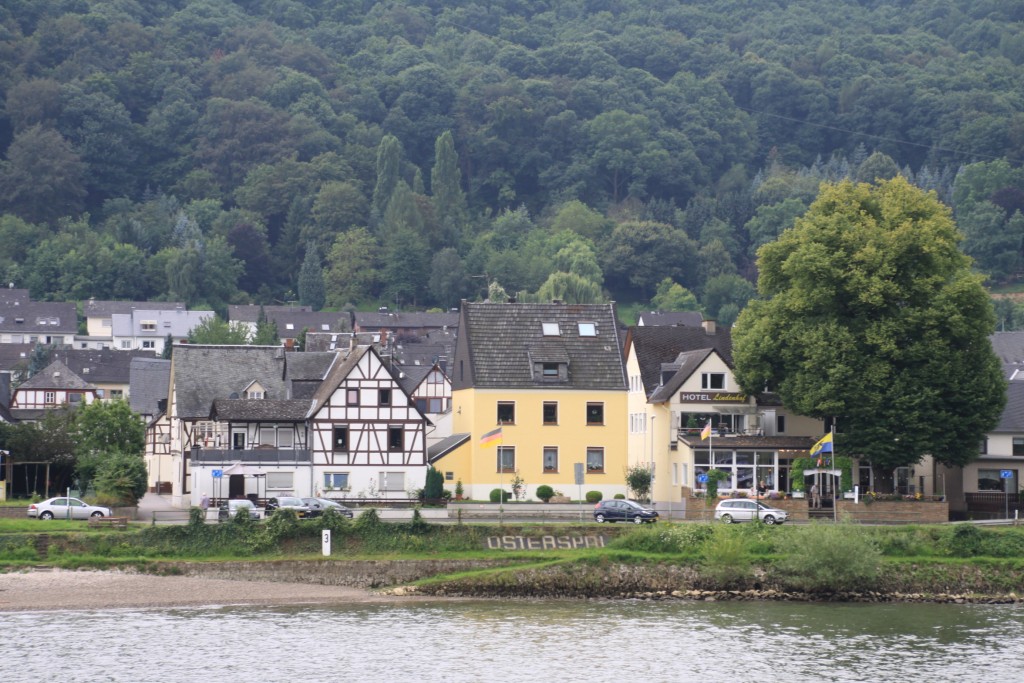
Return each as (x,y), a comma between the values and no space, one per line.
(56,589)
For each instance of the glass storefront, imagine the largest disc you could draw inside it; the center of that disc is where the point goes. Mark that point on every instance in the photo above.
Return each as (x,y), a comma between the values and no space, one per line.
(771,467)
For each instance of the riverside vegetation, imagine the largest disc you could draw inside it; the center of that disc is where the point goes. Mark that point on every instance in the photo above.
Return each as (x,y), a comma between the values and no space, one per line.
(699,561)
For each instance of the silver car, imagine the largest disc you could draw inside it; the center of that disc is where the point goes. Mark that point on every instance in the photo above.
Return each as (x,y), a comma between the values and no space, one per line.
(230,508)
(66,508)
(746,510)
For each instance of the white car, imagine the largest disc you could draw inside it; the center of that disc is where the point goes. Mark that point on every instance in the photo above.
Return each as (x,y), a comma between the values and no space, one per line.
(66,508)
(746,510)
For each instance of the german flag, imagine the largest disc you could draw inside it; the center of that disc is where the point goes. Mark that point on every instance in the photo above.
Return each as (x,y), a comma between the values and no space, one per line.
(493,436)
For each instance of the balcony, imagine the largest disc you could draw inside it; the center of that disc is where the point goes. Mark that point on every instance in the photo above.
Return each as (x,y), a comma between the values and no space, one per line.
(257,456)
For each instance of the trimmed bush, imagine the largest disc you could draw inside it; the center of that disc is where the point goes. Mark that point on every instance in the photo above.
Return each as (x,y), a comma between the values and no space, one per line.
(620,496)
(594,496)
(499,496)
(545,492)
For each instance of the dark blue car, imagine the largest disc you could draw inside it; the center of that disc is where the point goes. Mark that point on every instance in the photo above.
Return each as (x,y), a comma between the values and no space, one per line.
(623,511)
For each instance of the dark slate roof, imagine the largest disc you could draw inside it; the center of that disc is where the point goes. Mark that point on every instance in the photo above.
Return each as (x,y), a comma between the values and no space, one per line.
(308,365)
(203,374)
(10,296)
(684,365)
(250,313)
(107,366)
(56,375)
(100,309)
(410,376)
(15,357)
(254,410)
(39,317)
(1009,347)
(662,318)
(445,446)
(393,320)
(498,342)
(792,443)
(313,320)
(338,341)
(1012,419)
(150,380)
(654,346)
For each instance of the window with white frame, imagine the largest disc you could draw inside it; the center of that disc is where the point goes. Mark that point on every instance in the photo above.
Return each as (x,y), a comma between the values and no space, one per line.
(595,460)
(550,329)
(506,459)
(126,343)
(49,397)
(588,329)
(550,460)
(285,437)
(396,439)
(255,394)
(148,344)
(280,480)
(148,326)
(336,481)
(712,380)
(268,436)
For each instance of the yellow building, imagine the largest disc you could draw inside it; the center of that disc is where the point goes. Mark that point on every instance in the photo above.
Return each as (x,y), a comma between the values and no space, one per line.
(551,378)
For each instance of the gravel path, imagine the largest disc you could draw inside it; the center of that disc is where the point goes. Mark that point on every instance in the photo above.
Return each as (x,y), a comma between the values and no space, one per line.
(55,589)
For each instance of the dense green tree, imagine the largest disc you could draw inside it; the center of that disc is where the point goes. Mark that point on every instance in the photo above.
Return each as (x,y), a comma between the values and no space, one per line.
(43,177)
(634,247)
(352,268)
(671,296)
(311,279)
(448,281)
(726,290)
(120,478)
(389,159)
(213,330)
(570,288)
(869,314)
(446,189)
(101,429)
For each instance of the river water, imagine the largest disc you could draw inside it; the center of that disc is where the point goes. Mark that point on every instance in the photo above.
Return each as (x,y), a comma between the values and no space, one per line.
(502,642)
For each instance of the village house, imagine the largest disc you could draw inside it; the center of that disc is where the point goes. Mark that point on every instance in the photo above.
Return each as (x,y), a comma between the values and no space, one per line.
(56,386)
(149,329)
(99,320)
(680,381)
(259,421)
(550,379)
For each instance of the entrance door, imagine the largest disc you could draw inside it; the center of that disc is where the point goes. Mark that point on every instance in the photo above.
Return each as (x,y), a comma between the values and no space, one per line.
(236,486)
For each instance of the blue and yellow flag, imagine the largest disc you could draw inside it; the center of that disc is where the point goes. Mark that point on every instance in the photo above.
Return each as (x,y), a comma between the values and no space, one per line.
(824,445)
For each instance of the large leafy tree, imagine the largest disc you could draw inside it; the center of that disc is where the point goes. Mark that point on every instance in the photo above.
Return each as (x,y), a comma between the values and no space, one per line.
(105,430)
(869,314)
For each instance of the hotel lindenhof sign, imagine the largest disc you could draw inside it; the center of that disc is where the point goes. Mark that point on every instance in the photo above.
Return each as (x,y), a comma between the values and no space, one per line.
(712,397)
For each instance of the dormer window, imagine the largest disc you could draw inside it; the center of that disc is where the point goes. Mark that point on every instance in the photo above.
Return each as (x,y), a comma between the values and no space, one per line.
(549,370)
(588,329)
(550,329)
(289,326)
(148,326)
(254,394)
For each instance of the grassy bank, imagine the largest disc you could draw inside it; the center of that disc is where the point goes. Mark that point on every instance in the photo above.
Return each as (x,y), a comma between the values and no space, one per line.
(663,559)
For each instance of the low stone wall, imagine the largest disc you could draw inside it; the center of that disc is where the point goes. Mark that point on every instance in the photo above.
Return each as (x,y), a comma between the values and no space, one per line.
(351,573)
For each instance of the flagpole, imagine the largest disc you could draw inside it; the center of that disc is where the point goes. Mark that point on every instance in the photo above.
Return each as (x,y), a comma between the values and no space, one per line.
(835,486)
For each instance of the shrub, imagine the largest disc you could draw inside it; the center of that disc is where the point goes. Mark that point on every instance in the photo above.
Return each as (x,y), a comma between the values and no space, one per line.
(726,563)
(638,479)
(434,486)
(964,541)
(665,538)
(368,521)
(121,478)
(620,496)
(545,492)
(284,523)
(499,496)
(827,558)
(594,496)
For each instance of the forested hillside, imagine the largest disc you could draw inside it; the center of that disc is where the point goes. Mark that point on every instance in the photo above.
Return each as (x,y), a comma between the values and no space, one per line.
(414,152)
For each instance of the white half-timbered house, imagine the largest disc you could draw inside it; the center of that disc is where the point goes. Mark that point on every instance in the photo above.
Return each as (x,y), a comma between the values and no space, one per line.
(368,438)
(431,390)
(54,387)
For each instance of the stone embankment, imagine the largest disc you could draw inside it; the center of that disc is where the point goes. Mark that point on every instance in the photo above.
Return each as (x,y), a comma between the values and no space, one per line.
(502,579)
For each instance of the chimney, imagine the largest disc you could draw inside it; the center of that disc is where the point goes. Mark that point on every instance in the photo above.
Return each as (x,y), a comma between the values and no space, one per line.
(708,325)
